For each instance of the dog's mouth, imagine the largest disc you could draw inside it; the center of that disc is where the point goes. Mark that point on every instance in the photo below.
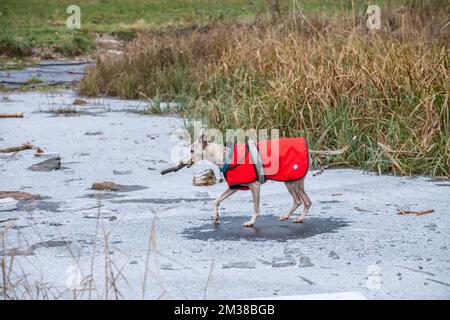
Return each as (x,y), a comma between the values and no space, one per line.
(190,163)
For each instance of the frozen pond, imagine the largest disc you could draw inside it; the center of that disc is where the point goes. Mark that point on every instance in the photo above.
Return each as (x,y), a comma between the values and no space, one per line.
(48,72)
(155,239)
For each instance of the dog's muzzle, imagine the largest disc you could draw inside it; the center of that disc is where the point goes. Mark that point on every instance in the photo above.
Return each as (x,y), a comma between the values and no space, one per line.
(190,163)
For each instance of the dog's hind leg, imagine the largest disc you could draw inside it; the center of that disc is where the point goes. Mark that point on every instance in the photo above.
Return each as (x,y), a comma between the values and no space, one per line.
(217,202)
(306,201)
(254,188)
(296,199)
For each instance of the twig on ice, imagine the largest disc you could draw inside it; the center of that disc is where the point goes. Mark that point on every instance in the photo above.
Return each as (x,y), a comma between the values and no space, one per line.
(24,146)
(417,213)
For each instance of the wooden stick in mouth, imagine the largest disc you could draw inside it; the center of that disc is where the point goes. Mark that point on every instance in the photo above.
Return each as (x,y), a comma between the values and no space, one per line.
(174,169)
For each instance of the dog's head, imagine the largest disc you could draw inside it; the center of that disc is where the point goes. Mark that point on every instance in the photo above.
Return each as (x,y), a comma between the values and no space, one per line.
(203,149)
(198,149)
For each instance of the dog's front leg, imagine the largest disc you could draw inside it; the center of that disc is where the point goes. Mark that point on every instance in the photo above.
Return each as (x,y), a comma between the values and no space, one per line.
(254,188)
(217,202)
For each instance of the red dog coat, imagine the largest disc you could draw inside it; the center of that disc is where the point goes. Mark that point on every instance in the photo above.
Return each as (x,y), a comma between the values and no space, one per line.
(284,159)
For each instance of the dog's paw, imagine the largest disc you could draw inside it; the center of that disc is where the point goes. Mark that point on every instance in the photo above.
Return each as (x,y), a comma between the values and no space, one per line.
(283,218)
(298,220)
(248,224)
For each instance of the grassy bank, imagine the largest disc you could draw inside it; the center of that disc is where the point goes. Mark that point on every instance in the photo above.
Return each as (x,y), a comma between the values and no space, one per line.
(38,27)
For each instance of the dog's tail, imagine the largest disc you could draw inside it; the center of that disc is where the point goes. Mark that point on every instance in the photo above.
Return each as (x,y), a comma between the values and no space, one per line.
(332,152)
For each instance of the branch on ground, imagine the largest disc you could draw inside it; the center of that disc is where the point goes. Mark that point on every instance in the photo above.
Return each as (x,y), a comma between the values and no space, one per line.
(417,213)
(24,146)
(11,115)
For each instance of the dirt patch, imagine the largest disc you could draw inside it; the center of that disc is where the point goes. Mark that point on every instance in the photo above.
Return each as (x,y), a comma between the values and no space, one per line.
(112,186)
(19,195)
(106,185)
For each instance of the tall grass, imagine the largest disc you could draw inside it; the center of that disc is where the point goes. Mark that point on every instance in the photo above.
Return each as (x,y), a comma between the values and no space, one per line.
(13,47)
(328,78)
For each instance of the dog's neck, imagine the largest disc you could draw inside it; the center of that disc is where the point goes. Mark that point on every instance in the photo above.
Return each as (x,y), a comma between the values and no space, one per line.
(215,153)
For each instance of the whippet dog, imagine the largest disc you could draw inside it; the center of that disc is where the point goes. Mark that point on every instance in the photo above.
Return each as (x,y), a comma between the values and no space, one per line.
(216,153)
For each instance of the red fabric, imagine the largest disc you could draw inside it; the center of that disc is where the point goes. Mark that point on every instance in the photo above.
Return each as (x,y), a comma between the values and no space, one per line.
(284,159)
(241,170)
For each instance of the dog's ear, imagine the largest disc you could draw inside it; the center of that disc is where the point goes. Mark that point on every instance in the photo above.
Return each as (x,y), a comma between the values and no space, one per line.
(203,139)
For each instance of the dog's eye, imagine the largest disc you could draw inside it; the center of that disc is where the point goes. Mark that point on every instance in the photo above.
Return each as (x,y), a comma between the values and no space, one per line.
(192,151)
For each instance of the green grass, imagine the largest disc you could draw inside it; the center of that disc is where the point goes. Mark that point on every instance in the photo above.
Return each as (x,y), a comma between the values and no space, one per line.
(34,23)
(30,24)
